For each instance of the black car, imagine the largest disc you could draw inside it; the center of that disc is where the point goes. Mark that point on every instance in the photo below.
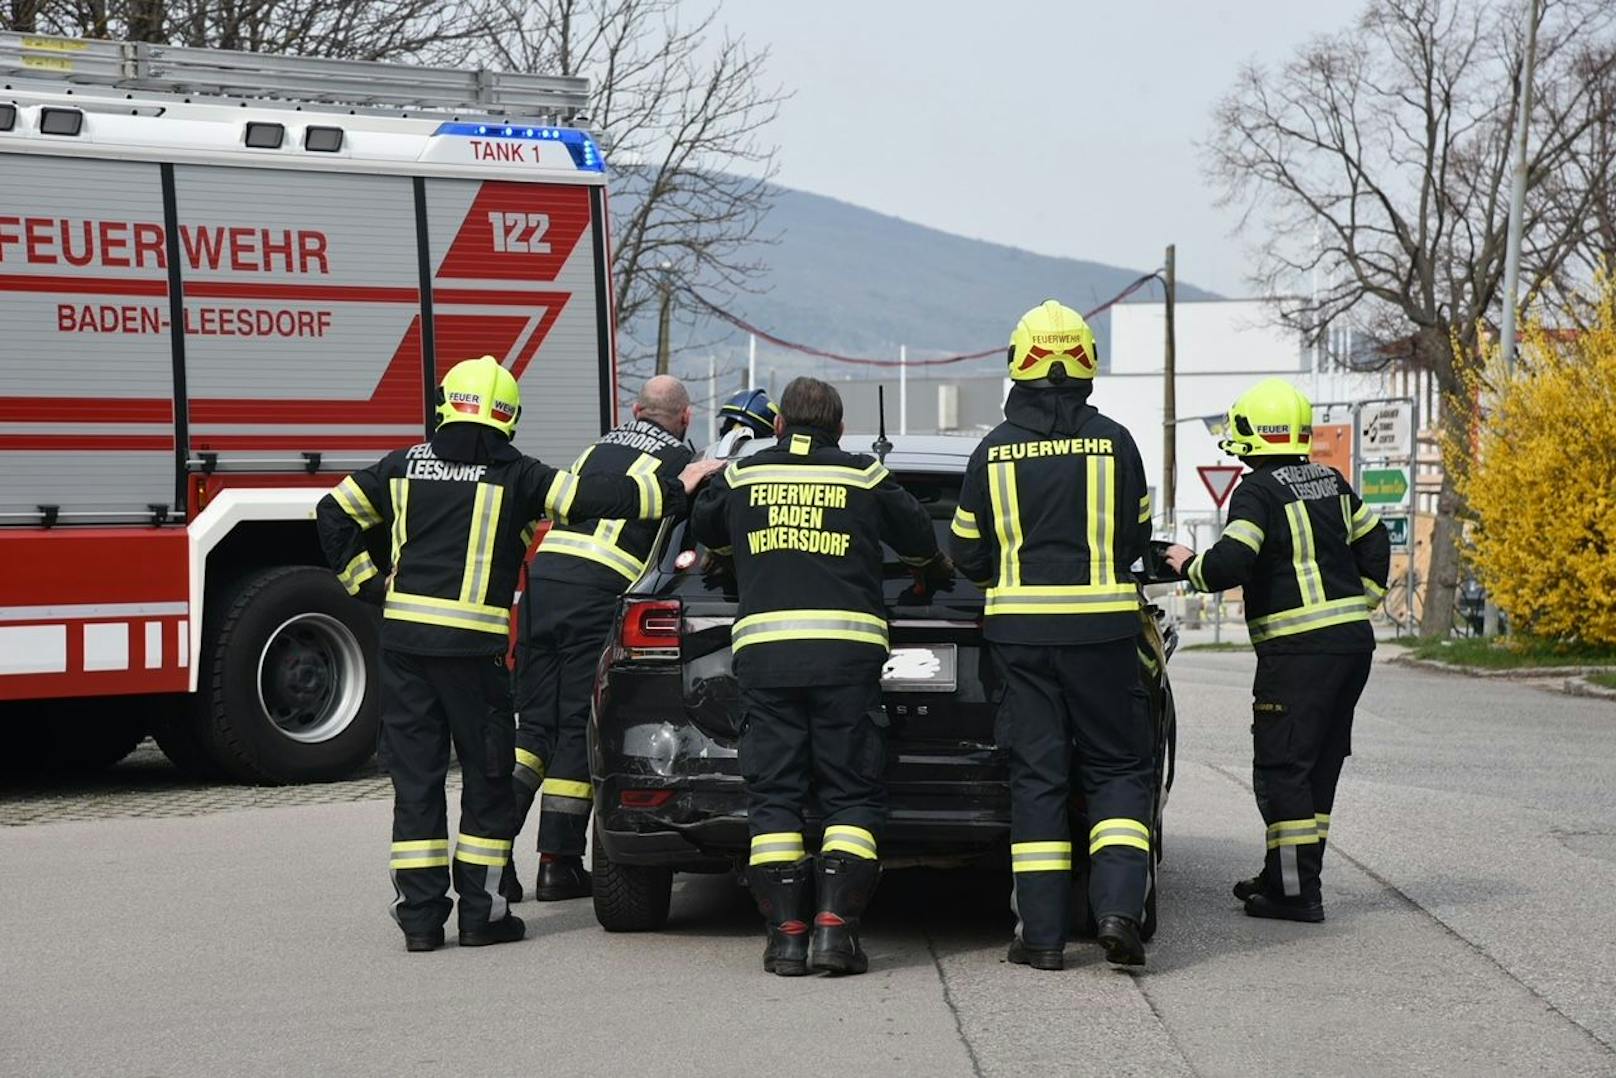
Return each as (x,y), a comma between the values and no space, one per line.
(668,791)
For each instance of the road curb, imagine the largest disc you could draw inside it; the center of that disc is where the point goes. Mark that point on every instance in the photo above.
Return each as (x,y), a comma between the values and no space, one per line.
(1581,686)
(1527,673)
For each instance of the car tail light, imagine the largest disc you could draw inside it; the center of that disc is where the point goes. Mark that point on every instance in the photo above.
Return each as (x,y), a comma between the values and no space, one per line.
(650,629)
(644,799)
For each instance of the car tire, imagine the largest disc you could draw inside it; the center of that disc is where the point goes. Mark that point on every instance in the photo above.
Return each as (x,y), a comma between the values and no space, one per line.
(289,687)
(629,898)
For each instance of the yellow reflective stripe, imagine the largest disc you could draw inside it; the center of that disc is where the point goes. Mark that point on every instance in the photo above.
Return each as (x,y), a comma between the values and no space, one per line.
(420,853)
(801,444)
(1307,618)
(1063,599)
(1322,824)
(1119,831)
(557,502)
(1364,522)
(583,546)
(450,613)
(777,846)
(475,850)
(644,472)
(1102,525)
(849,625)
(359,570)
(964,525)
(578,465)
(1373,592)
(845,838)
(480,542)
(581,791)
(1194,570)
(1303,556)
(866,478)
(1040,856)
(530,760)
(1144,509)
(1244,531)
(1292,825)
(351,499)
(528,533)
(1149,661)
(1293,833)
(1006,520)
(400,492)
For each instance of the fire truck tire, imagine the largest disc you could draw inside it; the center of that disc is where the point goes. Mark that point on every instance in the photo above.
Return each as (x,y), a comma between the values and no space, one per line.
(290,691)
(176,733)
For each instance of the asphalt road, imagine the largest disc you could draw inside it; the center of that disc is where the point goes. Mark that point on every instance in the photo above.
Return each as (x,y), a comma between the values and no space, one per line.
(1472,931)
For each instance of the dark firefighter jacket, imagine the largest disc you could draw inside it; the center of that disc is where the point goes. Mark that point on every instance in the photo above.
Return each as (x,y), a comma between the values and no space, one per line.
(1053,512)
(1311,557)
(459,512)
(609,553)
(804,522)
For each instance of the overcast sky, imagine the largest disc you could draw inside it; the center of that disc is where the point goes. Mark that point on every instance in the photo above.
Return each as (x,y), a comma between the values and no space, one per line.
(1067,127)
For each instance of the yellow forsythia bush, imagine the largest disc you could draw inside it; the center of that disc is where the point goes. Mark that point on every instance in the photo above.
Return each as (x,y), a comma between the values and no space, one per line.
(1543,486)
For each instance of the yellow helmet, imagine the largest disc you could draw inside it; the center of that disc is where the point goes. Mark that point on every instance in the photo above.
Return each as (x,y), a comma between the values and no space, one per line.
(1271,419)
(480,391)
(1052,337)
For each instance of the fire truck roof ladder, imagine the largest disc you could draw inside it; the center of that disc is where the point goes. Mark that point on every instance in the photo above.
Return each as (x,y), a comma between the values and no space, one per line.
(349,84)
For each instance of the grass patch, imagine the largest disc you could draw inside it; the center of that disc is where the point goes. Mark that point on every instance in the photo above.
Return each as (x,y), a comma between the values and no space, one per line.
(1512,653)
(1607,680)
(1398,641)
(1234,645)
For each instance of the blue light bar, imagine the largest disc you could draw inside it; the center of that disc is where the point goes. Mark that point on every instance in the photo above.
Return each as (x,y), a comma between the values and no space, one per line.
(585,154)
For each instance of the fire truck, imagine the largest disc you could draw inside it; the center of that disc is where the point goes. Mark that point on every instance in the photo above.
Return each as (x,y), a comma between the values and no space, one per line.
(226,280)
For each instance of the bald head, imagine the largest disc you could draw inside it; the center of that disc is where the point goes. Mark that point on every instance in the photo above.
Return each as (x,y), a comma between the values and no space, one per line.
(664,401)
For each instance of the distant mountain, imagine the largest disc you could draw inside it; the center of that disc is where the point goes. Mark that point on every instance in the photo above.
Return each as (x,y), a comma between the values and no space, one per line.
(852,280)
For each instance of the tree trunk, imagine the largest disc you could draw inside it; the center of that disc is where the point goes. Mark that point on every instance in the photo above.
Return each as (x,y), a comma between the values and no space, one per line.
(1442,575)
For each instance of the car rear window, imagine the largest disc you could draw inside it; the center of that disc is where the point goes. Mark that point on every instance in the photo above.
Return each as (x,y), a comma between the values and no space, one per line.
(938,493)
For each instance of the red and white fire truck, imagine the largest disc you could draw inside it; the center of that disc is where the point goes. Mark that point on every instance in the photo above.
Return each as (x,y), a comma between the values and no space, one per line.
(226,280)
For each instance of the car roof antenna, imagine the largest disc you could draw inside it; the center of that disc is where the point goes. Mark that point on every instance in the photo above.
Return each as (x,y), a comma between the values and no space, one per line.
(881,446)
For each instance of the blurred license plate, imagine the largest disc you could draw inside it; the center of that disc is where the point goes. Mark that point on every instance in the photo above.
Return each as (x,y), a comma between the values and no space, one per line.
(920,668)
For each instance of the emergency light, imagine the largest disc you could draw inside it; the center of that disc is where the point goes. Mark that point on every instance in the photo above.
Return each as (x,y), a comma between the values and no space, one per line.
(580,144)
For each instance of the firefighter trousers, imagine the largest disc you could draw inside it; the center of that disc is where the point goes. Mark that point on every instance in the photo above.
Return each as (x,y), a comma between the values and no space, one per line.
(563,629)
(429,702)
(1301,734)
(824,745)
(1086,697)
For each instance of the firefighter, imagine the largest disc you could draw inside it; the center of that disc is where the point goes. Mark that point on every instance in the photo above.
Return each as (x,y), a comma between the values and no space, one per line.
(457,513)
(748,414)
(804,522)
(565,616)
(1312,561)
(1053,511)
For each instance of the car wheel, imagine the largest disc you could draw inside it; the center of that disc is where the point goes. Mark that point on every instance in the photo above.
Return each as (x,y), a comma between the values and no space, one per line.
(629,898)
(289,690)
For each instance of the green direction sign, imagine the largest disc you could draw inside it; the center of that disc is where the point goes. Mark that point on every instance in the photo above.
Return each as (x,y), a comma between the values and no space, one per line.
(1384,486)
(1397,529)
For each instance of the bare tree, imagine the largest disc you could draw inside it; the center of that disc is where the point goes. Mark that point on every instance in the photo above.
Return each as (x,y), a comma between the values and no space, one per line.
(1376,163)
(425,30)
(683,109)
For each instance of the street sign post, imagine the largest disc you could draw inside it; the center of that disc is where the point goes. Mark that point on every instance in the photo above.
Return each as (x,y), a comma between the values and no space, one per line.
(1385,486)
(1397,529)
(1220,480)
(1387,430)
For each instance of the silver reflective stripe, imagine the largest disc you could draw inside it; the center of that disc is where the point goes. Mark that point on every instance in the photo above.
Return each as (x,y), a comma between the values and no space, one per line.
(491,621)
(1289,875)
(570,806)
(806,625)
(1117,832)
(419,855)
(852,840)
(1017,596)
(481,849)
(776,847)
(497,906)
(527,776)
(1305,556)
(1048,855)
(482,543)
(1349,609)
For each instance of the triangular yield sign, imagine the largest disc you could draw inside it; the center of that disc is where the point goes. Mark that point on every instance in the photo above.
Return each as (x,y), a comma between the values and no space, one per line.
(1219,480)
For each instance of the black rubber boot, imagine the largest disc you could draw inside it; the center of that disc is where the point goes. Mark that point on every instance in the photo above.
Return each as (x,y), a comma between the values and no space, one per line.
(845,886)
(1036,957)
(424,941)
(1120,938)
(510,887)
(561,878)
(1244,889)
(508,929)
(785,897)
(1306,910)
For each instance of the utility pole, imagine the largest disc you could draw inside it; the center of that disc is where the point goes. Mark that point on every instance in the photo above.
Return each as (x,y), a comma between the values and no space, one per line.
(751,361)
(1512,249)
(1169,489)
(664,319)
(712,398)
(903,389)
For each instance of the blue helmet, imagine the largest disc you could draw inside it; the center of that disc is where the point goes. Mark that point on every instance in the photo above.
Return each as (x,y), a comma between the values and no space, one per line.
(750,408)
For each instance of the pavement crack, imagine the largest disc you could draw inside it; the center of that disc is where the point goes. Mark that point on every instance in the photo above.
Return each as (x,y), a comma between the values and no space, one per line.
(953,1005)
(1161,1020)
(1478,949)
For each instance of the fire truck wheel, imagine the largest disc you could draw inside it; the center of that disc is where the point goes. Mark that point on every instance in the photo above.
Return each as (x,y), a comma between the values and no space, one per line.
(290,690)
